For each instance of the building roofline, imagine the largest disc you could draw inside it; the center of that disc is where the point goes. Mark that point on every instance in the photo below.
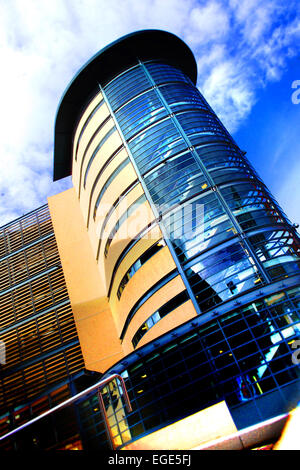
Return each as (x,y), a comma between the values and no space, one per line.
(102,67)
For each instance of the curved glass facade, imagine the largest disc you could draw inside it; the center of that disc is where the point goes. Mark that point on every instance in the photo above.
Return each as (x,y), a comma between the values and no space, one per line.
(200,266)
(227,231)
(231,243)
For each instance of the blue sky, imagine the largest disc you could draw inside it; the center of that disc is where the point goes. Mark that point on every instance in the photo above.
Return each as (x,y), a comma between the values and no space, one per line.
(247,53)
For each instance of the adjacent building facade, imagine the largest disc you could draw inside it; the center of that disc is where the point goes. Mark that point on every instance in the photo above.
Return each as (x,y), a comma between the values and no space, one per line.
(42,362)
(181,269)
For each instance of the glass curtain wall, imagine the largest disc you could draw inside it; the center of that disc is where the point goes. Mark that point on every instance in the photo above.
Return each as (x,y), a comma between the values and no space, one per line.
(228,232)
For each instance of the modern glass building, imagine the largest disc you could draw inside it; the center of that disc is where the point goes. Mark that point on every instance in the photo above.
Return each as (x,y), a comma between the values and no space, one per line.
(181,268)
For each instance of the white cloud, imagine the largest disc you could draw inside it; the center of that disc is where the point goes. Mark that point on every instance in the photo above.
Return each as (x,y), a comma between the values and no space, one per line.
(208,22)
(228,91)
(43,44)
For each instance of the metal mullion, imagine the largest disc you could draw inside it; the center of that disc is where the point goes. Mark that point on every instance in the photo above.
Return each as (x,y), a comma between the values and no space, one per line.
(5,242)
(167,186)
(132,99)
(170,189)
(50,288)
(138,108)
(57,317)
(156,213)
(150,137)
(143,162)
(240,232)
(164,175)
(28,281)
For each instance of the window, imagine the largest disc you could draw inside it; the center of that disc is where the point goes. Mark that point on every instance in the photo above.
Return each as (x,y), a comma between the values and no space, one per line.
(158,315)
(138,264)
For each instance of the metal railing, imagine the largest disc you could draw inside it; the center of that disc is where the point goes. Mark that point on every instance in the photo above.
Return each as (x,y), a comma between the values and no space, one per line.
(96,387)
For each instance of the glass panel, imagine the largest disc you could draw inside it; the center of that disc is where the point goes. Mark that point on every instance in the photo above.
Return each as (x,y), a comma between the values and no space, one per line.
(220,275)
(278,251)
(126,86)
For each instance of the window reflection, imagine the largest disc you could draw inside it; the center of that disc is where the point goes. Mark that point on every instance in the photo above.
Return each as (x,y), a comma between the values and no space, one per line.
(236,358)
(115,409)
(220,274)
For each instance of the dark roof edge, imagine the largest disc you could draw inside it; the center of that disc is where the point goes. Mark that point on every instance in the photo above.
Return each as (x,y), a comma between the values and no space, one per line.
(102,67)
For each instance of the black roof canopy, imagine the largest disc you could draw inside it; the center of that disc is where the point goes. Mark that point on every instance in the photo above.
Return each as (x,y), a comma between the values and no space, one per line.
(101,68)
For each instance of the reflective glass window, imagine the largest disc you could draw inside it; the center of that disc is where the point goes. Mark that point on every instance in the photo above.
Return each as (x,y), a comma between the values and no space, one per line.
(162,73)
(167,308)
(182,96)
(138,264)
(176,179)
(221,154)
(197,122)
(251,204)
(221,274)
(139,113)
(197,226)
(278,251)
(127,85)
(155,144)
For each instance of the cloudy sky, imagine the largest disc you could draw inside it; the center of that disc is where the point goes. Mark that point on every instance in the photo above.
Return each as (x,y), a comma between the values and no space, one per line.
(248,59)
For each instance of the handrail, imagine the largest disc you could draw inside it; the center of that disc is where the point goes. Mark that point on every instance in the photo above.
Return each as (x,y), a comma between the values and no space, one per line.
(67,402)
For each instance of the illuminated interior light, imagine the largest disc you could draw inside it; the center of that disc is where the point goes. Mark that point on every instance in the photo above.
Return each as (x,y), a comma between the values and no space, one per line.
(257,384)
(143,376)
(140,391)
(204,186)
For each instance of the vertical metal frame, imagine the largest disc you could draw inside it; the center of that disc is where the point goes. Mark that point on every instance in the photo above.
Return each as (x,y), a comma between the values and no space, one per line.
(241,235)
(102,406)
(153,207)
(96,387)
